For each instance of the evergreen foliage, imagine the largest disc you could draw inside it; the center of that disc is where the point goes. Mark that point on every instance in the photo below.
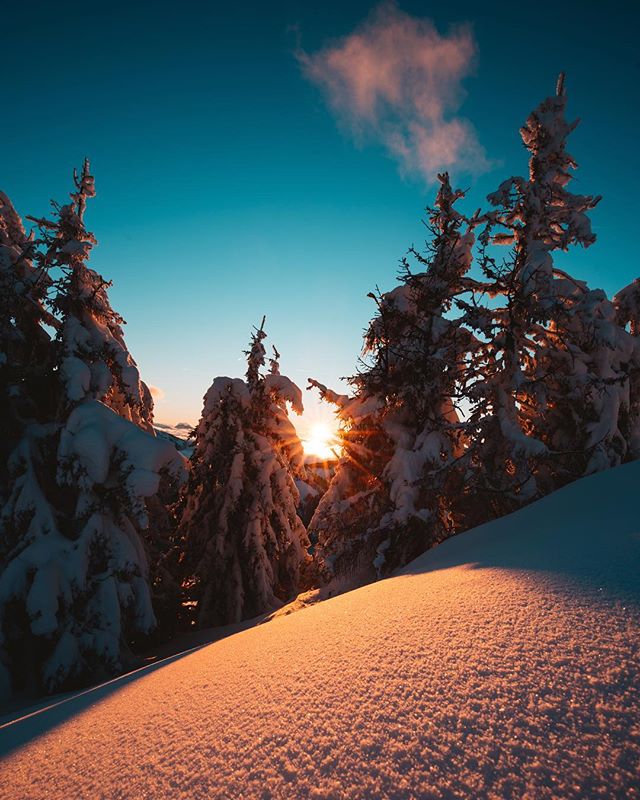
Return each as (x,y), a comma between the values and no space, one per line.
(480,394)
(486,381)
(245,547)
(73,569)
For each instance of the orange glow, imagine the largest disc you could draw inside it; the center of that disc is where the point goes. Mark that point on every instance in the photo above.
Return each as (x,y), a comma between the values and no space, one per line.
(321,441)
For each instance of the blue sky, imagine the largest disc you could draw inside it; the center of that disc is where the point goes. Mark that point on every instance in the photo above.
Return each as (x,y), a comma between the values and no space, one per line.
(229,188)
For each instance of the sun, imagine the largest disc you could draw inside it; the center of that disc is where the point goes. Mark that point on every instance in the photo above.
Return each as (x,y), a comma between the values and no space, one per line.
(321,442)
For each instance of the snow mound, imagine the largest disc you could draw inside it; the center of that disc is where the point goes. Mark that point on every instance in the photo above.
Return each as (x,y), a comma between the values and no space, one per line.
(503,664)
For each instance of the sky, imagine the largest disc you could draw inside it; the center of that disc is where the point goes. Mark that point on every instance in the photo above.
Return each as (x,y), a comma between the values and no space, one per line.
(276,158)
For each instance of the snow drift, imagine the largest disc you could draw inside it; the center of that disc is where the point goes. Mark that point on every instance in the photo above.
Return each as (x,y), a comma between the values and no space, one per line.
(503,664)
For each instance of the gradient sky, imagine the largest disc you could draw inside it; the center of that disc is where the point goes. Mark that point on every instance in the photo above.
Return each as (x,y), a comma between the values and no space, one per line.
(229,187)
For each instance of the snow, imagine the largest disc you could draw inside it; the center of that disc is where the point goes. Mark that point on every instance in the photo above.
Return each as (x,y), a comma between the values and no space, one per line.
(503,664)
(73,587)
(244,545)
(286,389)
(92,434)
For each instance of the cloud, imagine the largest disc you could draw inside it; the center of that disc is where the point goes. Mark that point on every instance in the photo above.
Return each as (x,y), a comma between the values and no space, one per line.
(396,79)
(156,392)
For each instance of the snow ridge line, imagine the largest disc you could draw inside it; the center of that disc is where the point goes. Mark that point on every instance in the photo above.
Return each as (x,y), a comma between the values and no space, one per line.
(97,687)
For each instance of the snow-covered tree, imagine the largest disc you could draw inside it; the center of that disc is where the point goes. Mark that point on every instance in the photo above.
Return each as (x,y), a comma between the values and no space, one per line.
(25,346)
(627,305)
(73,569)
(588,414)
(356,499)
(392,493)
(577,393)
(245,546)
(313,484)
(501,455)
(75,582)
(94,361)
(542,388)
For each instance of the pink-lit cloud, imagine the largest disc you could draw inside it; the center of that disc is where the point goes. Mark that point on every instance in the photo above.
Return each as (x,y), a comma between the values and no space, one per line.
(156,392)
(397,79)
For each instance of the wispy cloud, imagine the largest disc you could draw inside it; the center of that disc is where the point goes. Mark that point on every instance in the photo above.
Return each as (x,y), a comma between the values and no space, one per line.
(397,79)
(156,392)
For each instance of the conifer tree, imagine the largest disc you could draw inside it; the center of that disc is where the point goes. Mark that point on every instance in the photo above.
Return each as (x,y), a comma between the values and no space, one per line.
(356,498)
(94,359)
(74,575)
(627,307)
(25,346)
(245,546)
(542,395)
(588,361)
(392,494)
(580,403)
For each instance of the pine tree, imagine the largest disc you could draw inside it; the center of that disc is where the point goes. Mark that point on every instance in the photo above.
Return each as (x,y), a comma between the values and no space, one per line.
(392,494)
(74,579)
(25,346)
(502,454)
(588,361)
(245,546)
(575,397)
(542,394)
(94,361)
(627,307)
(357,498)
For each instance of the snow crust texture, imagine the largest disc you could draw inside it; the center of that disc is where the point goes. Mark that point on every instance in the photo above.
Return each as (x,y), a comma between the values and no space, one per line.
(503,664)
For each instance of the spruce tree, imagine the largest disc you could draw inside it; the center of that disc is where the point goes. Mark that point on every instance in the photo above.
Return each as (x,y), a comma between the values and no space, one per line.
(245,548)
(543,399)
(74,576)
(25,346)
(356,498)
(94,360)
(393,492)
(627,307)
(576,393)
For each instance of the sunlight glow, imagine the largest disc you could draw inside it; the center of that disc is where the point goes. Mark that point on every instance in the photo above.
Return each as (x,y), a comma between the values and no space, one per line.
(321,442)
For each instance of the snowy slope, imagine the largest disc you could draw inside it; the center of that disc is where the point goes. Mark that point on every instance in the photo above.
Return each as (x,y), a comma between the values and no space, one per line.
(503,664)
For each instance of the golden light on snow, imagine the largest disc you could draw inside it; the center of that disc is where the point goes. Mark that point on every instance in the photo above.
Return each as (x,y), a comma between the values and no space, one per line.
(321,441)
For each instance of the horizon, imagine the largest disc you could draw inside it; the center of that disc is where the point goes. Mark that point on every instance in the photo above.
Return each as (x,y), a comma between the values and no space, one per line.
(425,583)
(232,183)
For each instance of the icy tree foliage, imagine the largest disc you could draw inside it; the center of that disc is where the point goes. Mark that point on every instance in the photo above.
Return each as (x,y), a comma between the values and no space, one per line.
(585,409)
(25,353)
(577,396)
(245,546)
(401,435)
(550,397)
(94,359)
(76,577)
(627,306)
(486,380)
(482,393)
(73,569)
(356,500)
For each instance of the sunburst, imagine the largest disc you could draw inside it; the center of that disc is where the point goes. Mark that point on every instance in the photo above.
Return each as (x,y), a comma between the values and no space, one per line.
(321,441)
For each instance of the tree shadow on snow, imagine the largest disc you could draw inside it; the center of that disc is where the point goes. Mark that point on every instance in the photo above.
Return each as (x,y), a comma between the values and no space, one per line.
(24,726)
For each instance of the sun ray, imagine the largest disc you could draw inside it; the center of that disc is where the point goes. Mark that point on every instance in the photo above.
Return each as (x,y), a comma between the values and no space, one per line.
(321,441)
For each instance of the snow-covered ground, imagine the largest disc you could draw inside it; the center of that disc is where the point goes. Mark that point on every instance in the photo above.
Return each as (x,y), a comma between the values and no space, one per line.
(504,664)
